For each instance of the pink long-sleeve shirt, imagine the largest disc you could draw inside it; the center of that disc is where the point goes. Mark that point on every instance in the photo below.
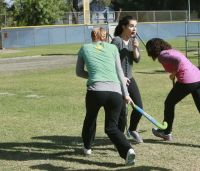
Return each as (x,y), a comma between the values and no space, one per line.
(174,61)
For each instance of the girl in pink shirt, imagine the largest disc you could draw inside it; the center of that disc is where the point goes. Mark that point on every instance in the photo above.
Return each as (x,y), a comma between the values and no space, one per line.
(187,75)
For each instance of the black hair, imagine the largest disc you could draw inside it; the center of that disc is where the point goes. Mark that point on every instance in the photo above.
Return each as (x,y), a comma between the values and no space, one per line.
(123,22)
(155,46)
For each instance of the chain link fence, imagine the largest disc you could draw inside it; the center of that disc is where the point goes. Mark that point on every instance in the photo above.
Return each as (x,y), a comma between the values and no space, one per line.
(62,34)
(114,16)
(141,16)
(6,20)
(156,16)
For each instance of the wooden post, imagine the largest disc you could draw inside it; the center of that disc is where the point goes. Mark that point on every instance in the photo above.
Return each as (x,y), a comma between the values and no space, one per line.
(86,11)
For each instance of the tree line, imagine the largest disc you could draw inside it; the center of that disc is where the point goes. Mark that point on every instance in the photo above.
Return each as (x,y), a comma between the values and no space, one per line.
(40,12)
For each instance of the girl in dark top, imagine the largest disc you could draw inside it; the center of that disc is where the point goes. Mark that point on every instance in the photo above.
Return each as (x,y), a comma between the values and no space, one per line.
(127,44)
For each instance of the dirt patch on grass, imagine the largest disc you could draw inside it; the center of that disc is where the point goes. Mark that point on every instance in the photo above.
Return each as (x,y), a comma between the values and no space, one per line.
(36,63)
(9,51)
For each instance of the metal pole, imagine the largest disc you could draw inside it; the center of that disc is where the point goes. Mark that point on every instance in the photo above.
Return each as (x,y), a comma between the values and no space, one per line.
(198,55)
(86,11)
(137,15)
(170,14)
(5,24)
(188,10)
(186,37)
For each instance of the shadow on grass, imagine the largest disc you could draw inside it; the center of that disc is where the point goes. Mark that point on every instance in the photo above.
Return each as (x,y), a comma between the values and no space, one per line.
(152,141)
(73,141)
(62,148)
(151,72)
(57,54)
(50,167)
(69,149)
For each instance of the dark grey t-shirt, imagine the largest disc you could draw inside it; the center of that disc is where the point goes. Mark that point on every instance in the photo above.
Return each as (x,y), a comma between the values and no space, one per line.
(126,55)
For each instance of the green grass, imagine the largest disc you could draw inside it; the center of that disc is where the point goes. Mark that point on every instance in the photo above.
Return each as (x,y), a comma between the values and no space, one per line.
(42,50)
(71,49)
(43,132)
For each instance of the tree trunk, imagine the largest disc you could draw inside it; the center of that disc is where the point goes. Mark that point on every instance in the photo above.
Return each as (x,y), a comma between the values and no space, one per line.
(75,16)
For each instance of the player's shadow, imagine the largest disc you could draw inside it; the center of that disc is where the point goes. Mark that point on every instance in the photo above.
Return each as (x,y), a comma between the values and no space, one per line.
(58,54)
(153,141)
(151,72)
(64,149)
(74,142)
(50,167)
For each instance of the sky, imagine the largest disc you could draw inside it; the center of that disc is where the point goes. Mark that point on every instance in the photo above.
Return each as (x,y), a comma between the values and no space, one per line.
(8,1)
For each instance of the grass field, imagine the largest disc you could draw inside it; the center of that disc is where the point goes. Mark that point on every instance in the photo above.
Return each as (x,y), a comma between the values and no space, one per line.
(69,49)
(41,116)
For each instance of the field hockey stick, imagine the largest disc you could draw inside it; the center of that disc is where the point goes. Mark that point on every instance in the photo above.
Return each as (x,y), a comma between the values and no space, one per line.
(126,125)
(173,82)
(140,39)
(150,118)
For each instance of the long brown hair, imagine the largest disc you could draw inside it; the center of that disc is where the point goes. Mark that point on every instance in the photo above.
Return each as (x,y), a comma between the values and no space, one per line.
(155,46)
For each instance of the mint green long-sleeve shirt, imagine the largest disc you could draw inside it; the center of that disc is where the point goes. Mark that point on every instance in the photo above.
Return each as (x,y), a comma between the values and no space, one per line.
(104,70)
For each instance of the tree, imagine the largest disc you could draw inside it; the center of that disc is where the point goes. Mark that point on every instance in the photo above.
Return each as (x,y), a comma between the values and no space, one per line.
(3,9)
(38,12)
(106,3)
(2,6)
(117,7)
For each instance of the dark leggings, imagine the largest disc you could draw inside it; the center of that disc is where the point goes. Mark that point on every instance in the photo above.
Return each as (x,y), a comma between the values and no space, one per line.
(135,115)
(177,93)
(112,102)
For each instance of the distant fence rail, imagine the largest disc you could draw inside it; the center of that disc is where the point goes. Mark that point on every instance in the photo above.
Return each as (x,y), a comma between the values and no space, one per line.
(114,16)
(156,16)
(6,20)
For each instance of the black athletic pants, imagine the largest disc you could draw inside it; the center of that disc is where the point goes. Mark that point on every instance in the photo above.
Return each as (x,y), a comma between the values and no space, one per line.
(112,102)
(135,115)
(177,93)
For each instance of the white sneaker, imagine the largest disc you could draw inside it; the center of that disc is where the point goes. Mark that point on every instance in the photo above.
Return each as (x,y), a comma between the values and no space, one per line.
(87,151)
(130,157)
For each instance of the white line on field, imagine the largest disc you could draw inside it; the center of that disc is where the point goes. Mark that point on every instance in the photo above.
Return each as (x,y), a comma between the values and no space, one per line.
(34,96)
(6,94)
